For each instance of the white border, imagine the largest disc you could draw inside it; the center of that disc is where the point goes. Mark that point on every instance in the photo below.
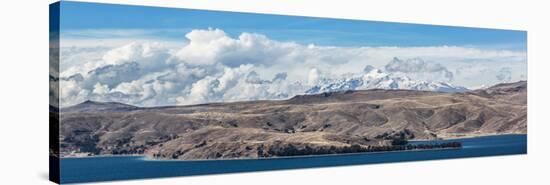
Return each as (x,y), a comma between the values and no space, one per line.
(24,99)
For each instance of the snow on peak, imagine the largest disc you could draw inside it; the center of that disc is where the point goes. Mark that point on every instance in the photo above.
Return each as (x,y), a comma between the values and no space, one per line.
(373,78)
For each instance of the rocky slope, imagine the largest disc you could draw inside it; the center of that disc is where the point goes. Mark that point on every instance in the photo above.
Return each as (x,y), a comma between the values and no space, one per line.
(311,124)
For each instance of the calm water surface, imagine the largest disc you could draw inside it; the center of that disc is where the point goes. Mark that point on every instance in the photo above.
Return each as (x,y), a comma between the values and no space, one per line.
(132,167)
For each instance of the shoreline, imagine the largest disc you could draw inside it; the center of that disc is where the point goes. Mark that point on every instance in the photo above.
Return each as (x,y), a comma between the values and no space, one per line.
(147,158)
(102,155)
(300,156)
(471,136)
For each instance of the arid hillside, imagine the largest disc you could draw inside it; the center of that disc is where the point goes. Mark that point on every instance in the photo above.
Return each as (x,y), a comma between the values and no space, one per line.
(320,123)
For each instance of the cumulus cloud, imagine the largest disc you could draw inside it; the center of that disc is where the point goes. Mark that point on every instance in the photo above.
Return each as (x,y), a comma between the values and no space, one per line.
(152,55)
(100,89)
(314,76)
(417,66)
(212,66)
(215,46)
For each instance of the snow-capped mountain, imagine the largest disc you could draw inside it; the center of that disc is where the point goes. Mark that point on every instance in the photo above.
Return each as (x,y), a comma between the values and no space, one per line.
(377,79)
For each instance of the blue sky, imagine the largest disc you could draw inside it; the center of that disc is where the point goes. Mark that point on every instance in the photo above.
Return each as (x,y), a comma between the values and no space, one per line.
(173,24)
(183,56)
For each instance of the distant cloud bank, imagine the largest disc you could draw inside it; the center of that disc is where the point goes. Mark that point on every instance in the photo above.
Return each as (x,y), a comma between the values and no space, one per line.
(211,66)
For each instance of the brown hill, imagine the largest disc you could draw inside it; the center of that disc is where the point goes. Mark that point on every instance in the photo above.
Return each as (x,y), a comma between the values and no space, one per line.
(322,122)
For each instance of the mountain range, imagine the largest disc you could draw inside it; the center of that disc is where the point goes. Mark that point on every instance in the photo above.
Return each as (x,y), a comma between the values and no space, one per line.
(377,79)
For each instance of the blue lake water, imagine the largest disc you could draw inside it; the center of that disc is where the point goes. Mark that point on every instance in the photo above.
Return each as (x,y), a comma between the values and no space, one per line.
(91,169)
